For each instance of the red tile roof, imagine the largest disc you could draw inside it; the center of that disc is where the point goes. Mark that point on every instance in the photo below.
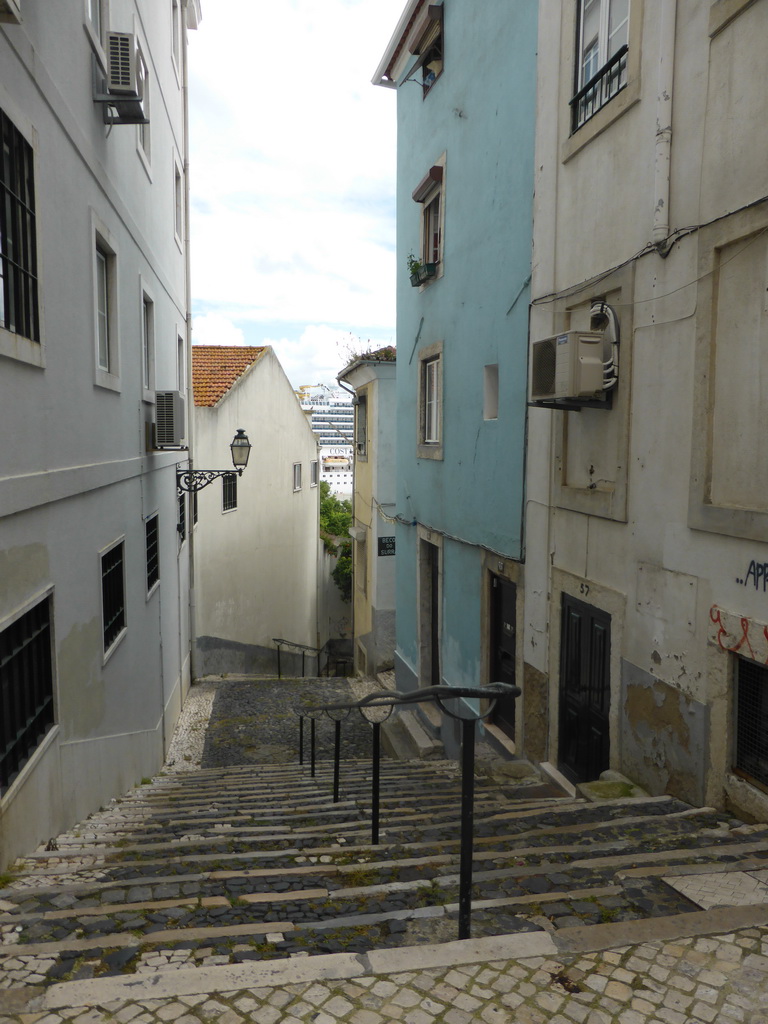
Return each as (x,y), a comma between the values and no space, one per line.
(215,368)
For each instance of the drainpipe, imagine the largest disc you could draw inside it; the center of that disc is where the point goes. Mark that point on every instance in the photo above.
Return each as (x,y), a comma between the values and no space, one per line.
(665,81)
(188,340)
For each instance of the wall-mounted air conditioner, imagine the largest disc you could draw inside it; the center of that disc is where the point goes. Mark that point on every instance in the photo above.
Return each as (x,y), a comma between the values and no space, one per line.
(568,366)
(122,71)
(169,419)
(122,92)
(10,10)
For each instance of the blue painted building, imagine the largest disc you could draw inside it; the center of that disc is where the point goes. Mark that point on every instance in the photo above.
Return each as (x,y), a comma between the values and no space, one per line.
(465,78)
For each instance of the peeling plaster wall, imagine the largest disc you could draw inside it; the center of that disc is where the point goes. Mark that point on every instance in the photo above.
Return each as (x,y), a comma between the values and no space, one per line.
(664,736)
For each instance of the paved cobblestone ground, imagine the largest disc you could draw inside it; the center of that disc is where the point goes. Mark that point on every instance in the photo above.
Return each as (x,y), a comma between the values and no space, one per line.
(722,979)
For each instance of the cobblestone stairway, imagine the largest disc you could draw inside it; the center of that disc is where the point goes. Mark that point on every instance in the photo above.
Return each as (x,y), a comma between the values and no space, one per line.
(257,863)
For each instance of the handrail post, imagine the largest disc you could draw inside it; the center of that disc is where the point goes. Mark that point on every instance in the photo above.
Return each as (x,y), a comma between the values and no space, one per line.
(375,778)
(279,673)
(312,744)
(467,825)
(336,759)
(303,655)
(301,739)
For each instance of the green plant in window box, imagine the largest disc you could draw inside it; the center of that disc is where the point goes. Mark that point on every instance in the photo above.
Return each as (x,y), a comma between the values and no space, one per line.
(419,271)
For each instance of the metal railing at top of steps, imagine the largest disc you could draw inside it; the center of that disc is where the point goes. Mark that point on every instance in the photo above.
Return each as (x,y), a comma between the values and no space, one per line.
(452,701)
(279,643)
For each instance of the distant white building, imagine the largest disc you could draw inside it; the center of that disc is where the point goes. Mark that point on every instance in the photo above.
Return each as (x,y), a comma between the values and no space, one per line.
(94,302)
(256,535)
(332,416)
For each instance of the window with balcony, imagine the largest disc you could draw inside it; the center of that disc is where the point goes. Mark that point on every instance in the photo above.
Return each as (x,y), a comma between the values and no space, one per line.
(601,56)
(430,194)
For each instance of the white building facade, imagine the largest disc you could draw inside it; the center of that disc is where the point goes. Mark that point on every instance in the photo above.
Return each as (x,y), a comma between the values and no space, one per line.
(94,300)
(646,634)
(256,535)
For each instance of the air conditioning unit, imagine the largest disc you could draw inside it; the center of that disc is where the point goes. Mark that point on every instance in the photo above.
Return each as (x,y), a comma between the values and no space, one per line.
(10,10)
(169,419)
(122,70)
(568,366)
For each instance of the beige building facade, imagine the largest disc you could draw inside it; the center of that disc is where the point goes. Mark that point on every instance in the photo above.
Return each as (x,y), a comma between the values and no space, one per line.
(646,613)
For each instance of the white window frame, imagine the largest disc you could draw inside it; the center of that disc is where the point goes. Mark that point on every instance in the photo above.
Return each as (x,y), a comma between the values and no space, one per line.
(430,402)
(96,24)
(178,202)
(176,29)
(296,476)
(229,484)
(105,307)
(314,473)
(147,320)
(143,133)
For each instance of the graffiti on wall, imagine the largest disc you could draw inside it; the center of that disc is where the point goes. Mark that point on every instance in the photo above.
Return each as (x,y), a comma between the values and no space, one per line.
(755,576)
(739,634)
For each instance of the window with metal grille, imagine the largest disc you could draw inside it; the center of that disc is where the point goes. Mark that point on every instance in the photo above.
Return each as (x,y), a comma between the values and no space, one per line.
(751,753)
(153,553)
(18,241)
(181,521)
(113,594)
(26,689)
(229,492)
(601,58)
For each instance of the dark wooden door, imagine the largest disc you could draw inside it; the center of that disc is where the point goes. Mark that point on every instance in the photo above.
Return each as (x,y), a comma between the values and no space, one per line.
(503,640)
(585,690)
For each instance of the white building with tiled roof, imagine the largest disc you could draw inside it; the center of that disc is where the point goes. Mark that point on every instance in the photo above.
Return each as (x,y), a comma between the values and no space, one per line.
(256,536)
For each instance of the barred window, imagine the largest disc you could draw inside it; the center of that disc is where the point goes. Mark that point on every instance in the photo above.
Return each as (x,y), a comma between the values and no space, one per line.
(153,559)
(18,241)
(751,753)
(113,594)
(229,492)
(26,689)
(181,522)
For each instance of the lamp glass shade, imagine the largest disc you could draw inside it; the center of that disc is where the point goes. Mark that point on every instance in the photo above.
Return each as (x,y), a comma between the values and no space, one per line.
(241,449)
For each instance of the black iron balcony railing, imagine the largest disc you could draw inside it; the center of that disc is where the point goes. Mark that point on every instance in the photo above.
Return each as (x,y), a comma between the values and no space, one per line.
(603,86)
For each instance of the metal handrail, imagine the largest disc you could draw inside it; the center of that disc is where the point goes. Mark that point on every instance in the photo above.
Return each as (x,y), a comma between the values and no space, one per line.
(437,695)
(280,643)
(600,76)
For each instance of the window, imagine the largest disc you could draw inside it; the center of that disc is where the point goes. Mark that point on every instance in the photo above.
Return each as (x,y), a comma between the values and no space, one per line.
(105,306)
(491,392)
(427,45)
(178,223)
(431,402)
(113,595)
(142,81)
(18,239)
(181,365)
(95,20)
(229,492)
(176,32)
(153,554)
(26,688)
(601,56)
(102,307)
(430,194)
(181,516)
(297,476)
(361,426)
(751,753)
(147,344)
(313,474)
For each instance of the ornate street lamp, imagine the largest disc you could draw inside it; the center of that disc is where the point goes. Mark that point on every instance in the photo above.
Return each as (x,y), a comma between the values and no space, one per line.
(196,479)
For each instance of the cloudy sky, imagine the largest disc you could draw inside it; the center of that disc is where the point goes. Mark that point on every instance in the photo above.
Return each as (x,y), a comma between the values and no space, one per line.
(292,179)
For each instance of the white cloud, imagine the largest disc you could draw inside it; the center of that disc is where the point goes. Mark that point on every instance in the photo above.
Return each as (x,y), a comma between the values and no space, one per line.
(292,166)
(216,329)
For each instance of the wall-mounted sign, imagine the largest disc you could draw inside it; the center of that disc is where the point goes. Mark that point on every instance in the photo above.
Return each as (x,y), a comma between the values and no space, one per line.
(386,545)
